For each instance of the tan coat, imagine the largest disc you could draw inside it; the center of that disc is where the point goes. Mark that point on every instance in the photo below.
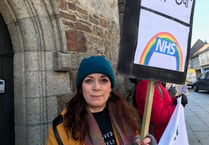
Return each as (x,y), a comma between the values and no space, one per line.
(65,137)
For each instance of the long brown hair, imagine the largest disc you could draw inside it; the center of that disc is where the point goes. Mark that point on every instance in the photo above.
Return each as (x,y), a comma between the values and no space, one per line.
(75,119)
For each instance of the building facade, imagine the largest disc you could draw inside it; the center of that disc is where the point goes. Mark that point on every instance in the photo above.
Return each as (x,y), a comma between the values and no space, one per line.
(42,44)
(204,59)
(199,60)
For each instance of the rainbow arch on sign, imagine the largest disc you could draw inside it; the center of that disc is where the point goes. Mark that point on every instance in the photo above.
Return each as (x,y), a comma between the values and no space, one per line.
(149,50)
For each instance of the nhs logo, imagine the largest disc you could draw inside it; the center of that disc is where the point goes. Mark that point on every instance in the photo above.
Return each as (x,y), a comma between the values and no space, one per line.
(165,46)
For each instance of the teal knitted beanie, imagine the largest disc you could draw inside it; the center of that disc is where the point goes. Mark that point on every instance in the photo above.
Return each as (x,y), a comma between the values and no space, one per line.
(95,64)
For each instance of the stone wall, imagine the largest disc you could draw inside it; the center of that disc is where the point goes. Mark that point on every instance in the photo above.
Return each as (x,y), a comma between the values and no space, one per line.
(49,39)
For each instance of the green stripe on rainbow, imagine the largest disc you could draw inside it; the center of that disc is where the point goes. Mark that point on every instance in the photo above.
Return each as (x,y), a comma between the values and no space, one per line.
(149,50)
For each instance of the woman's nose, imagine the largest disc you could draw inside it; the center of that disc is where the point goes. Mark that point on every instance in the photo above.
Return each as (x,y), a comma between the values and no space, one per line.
(96,85)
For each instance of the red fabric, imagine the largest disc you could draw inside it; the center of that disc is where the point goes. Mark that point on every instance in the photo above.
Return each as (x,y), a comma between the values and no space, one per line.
(162,107)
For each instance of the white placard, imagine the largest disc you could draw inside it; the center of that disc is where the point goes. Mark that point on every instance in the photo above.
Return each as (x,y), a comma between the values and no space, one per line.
(161,42)
(175,132)
(179,9)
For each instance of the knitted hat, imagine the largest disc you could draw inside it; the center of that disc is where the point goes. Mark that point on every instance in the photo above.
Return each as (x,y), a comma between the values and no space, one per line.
(95,64)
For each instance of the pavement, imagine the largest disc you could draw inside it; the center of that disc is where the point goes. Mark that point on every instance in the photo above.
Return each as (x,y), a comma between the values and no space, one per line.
(197,118)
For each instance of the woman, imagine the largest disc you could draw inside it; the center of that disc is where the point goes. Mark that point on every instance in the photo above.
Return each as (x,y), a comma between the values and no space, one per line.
(96,115)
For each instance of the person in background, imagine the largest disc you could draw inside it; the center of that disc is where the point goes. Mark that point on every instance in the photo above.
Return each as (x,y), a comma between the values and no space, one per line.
(96,115)
(162,108)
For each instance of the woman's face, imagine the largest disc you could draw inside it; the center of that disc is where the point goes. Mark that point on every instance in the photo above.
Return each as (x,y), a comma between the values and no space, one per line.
(96,89)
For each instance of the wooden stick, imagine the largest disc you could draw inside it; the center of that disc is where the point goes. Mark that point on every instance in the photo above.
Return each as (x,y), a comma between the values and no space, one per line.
(147,109)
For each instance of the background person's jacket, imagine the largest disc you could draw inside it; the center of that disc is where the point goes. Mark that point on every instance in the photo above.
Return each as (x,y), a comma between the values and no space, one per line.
(162,107)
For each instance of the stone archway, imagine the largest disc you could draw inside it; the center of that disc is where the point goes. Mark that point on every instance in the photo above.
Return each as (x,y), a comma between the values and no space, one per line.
(39,52)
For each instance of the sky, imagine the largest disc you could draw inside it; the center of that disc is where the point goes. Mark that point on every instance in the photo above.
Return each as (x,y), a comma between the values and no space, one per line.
(200,28)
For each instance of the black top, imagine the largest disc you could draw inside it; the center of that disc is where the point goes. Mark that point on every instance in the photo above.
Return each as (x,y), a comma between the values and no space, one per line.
(104,123)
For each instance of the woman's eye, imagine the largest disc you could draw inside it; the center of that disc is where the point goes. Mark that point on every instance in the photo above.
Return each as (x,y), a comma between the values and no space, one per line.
(88,81)
(104,80)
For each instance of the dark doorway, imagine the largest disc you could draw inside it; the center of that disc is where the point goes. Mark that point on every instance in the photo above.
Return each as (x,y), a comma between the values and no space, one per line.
(6,87)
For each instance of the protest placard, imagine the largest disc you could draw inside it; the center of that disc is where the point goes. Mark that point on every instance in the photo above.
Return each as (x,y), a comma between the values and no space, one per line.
(155,43)
(156,38)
